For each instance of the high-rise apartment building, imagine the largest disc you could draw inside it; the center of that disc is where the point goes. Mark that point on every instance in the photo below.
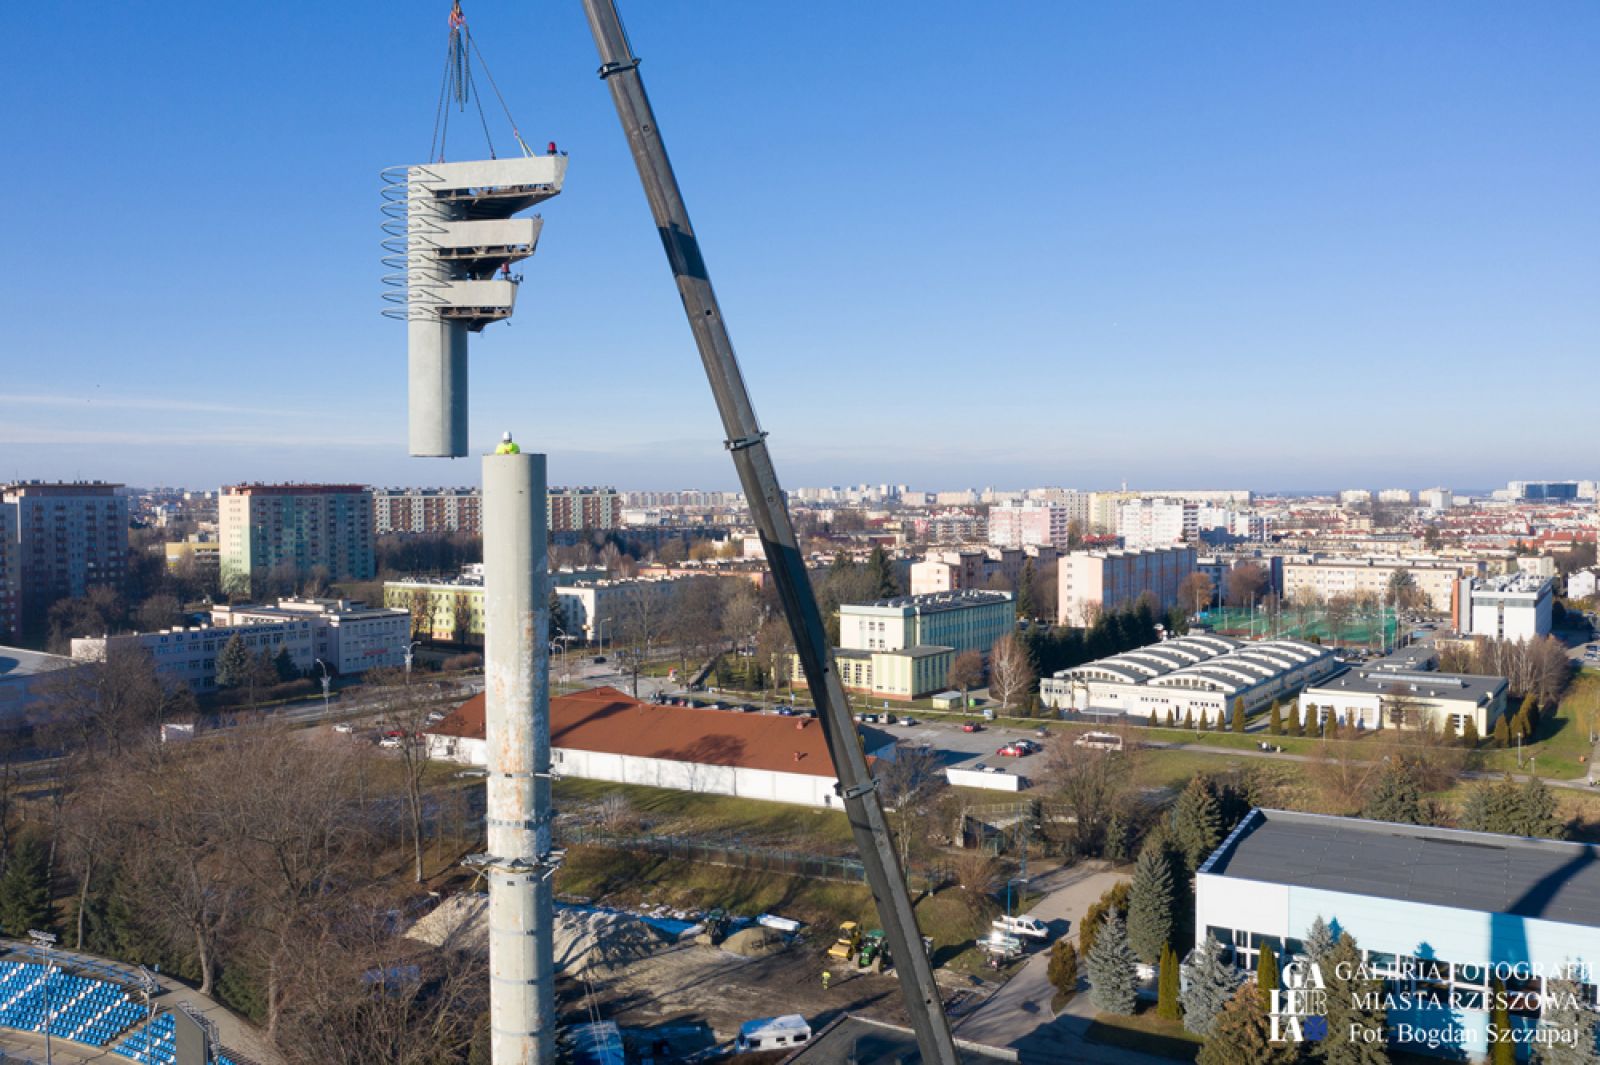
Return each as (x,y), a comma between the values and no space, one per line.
(1144,523)
(271,529)
(426,510)
(1038,523)
(67,538)
(1088,582)
(577,509)
(10,606)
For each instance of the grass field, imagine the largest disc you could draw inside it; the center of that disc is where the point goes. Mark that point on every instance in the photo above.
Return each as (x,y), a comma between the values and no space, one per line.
(721,816)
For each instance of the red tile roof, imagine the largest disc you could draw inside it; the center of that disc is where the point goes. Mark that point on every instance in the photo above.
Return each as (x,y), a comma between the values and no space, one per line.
(612,722)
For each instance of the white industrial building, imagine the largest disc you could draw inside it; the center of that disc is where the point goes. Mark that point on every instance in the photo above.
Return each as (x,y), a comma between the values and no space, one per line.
(1379,698)
(350,637)
(604,734)
(1199,674)
(1513,606)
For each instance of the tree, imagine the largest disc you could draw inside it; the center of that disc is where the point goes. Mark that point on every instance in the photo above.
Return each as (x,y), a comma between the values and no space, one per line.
(1319,941)
(1267,975)
(161,611)
(1569,1025)
(1354,1004)
(1396,795)
(1502,732)
(406,711)
(1188,717)
(283,667)
(1113,981)
(880,575)
(1010,670)
(1167,985)
(966,673)
(1063,967)
(1246,584)
(1113,901)
(1238,715)
(233,663)
(25,889)
(1091,784)
(1275,719)
(1469,733)
(1240,1033)
(1151,903)
(1196,822)
(1527,809)
(1026,607)
(1116,844)
(1196,591)
(1208,986)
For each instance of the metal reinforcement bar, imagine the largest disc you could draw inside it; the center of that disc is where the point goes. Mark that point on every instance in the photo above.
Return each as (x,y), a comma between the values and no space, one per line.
(747,443)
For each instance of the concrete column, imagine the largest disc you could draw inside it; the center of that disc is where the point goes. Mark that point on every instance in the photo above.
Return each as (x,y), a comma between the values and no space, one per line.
(517,730)
(437,360)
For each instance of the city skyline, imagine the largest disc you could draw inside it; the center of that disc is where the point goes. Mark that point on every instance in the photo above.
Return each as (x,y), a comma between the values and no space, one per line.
(1233,233)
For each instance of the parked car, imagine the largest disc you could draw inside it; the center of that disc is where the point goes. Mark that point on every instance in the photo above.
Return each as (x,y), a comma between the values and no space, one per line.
(436,716)
(1010,750)
(1026,746)
(344,727)
(972,726)
(395,734)
(1022,925)
(908,721)
(390,742)
(783,711)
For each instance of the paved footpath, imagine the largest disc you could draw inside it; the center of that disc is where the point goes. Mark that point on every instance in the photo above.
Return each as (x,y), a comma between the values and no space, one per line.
(1019,1015)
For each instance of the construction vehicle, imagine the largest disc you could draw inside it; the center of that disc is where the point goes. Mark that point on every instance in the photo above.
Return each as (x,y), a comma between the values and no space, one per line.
(713,929)
(746,442)
(874,953)
(848,942)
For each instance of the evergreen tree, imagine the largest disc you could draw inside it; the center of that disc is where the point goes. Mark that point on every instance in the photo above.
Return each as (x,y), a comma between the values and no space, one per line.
(25,889)
(283,666)
(1116,848)
(1240,1034)
(1296,727)
(1520,728)
(1526,809)
(233,663)
(1502,1051)
(1275,719)
(1469,733)
(1267,975)
(1115,900)
(1151,903)
(1319,940)
(1502,732)
(1238,715)
(1447,728)
(1188,717)
(1196,822)
(1026,607)
(1113,980)
(880,575)
(1529,713)
(1570,1025)
(1536,811)
(1205,720)
(1210,983)
(1172,717)
(1167,985)
(1397,795)
(1063,967)
(1347,999)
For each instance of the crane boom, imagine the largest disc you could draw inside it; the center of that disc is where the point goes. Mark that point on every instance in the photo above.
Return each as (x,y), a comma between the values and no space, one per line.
(619,68)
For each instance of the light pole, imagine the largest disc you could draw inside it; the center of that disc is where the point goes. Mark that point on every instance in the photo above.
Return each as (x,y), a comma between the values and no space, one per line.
(42,943)
(600,634)
(561,647)
(409,649)
(326,681)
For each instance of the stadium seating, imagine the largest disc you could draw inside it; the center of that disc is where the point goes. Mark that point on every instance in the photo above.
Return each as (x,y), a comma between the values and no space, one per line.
(154,1043)
(79,1008)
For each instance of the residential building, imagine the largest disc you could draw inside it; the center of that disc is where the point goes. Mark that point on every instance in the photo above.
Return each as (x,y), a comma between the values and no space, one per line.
(1437,499)
(1089,582)
(951,570)
(951,527)
(1542,490)
(1103,506)
(594,609)
(1355,497)
(426,511)
(1189,677)
(1512,606)
(1376,697)
(199,553)
(1320,579)
(292,529)
(446,610)
(1439,914)
(350,637)
(67,538)
(580,509)
(1401,496)
(189,655)
(1034,523)
(1584,584)
(10,594)
(603,734)
(1149,523)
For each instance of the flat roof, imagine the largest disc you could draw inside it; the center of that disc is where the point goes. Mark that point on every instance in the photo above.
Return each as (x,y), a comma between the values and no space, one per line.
(1479,871)
(933,602)
(1425,683)
(21,662)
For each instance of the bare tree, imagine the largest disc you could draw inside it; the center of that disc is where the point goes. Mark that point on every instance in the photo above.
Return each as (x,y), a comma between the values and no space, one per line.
(644,609)
(774,646)
(742,615)
(1011,671)
(966,673)
(910,784)
(1196,592)
(1091,782)
(406,709)
(1246,584)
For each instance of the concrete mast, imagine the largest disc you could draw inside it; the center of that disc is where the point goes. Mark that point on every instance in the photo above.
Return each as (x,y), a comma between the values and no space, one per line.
(519,861)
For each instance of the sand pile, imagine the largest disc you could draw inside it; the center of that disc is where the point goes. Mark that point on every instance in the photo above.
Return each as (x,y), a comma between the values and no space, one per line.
(585,942)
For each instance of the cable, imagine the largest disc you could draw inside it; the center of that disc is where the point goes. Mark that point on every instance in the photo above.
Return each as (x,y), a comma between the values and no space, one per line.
(484,63)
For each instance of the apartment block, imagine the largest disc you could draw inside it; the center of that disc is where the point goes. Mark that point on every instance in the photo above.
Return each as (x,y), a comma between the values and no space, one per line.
(426,511)
(294,528)
(1147,523)
(1038,523)
(1322,579)
(10,603)
(1089,582)
(67,538)
(579,509)
(1513,606)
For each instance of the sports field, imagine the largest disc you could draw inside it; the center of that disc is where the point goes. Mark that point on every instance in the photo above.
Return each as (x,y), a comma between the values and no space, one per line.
(1374,628)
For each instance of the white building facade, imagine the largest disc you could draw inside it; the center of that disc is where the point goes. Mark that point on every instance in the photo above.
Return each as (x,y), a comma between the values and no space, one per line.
(1089,582)
(1514,606)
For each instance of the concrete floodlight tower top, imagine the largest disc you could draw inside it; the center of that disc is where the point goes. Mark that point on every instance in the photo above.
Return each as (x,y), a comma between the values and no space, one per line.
(451,239)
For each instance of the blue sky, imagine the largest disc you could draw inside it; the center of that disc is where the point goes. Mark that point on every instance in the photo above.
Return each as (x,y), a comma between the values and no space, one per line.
(1275,245)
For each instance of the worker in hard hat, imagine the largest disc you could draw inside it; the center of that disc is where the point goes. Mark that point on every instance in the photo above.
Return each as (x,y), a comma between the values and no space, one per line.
(507,446)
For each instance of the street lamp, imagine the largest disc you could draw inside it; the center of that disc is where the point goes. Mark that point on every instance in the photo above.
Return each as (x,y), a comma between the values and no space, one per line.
(43,942)
(558,645)
(326,681)
(412,647)
(600,633)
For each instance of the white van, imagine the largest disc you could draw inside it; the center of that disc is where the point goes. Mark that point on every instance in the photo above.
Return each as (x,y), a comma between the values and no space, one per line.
(1022,925)
(1104,741)
(773,1033)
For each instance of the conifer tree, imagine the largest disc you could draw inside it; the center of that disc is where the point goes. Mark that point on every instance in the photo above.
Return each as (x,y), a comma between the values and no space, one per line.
(1196,822)
(1469,733)
(1116,848)
(1063,967)
(1241,1034)
(1502,732)
(1350,996)
(25,889)
(1188,717)
(1208,986)
(1267,975)
(1275,719)
(1319,939)
(1113,977)
(1570,1025)
(1397,795)
(1151,903)
(1167,985)
(1238,715)
(233,663)
(1447,728)
(1172,717)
